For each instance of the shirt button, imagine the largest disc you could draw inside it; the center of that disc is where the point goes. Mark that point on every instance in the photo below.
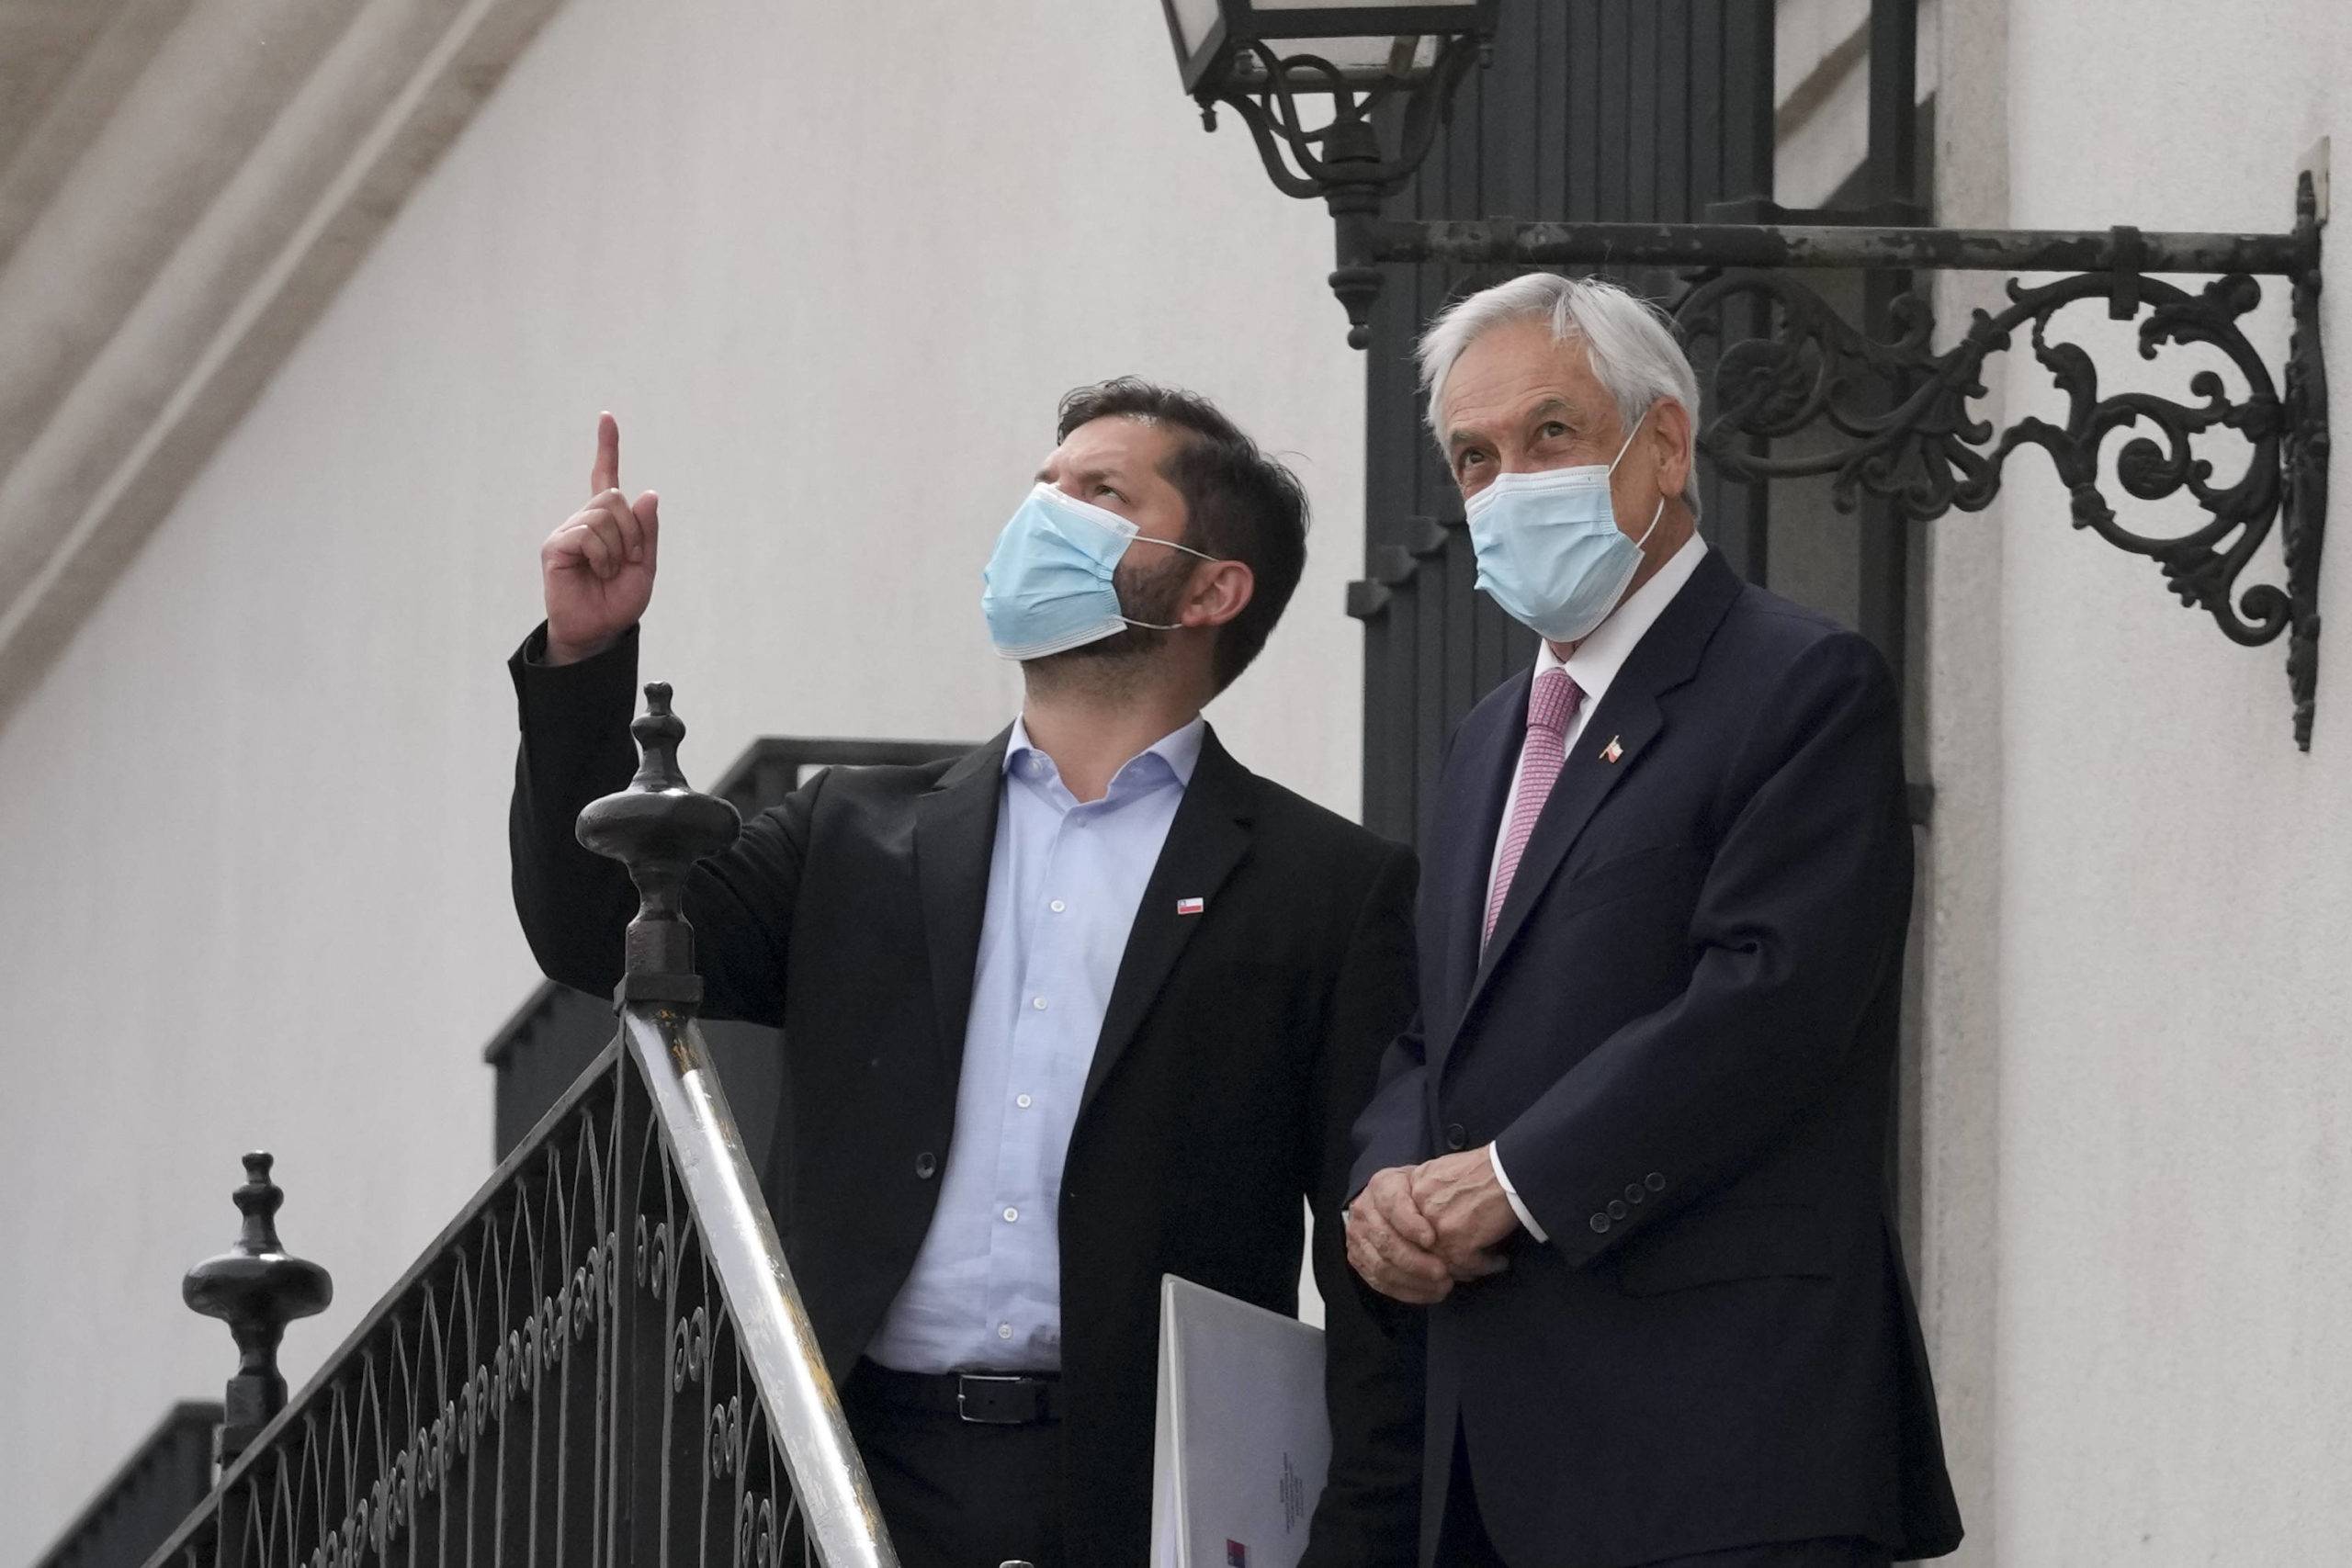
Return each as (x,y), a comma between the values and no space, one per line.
(1038,1002)
(1004,1331)
(1022,1100)
(1010,1215)
(926,1165)
(1058,905)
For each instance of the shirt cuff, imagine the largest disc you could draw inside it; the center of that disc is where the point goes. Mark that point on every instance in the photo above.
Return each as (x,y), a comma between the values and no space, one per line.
(1495,1157)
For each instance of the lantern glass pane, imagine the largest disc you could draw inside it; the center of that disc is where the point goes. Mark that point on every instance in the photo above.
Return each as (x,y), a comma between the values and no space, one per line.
(1194,19)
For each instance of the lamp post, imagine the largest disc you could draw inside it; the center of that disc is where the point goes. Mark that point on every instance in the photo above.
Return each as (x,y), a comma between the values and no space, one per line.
(1898,409)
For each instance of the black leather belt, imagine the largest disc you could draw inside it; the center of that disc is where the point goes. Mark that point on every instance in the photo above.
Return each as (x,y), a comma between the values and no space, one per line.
(989,1399)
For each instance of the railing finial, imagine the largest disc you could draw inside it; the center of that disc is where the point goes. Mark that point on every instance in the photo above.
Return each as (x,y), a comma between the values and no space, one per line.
(657,827)
(657,732)
(257,1290)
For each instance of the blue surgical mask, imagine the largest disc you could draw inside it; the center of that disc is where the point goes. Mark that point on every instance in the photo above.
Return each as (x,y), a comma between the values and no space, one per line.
(1050,586)
(1549,549)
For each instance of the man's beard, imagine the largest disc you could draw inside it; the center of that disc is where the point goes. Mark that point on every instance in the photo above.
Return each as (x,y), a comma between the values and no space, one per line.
(1158,595)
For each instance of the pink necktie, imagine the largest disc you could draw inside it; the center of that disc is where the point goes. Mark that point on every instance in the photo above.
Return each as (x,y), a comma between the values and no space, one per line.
(1549,711)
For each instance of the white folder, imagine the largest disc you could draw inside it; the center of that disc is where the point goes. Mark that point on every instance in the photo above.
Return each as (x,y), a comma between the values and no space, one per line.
(1243,1438)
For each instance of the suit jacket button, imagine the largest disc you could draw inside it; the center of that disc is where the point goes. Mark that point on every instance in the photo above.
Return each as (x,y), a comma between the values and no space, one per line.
(1653,1182)
(926,1166)
(1616,1208)
(1634,1193)
(1600,1224)
(1455,1136)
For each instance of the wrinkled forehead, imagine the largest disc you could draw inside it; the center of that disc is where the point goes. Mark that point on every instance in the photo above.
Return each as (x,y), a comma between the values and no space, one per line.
(1135,448)
(1513,369)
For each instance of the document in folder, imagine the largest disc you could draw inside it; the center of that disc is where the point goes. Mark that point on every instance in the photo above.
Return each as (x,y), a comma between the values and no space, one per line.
(1243,1438)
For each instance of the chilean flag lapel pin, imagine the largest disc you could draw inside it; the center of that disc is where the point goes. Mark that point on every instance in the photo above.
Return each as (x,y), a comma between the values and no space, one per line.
(1191,905)
(1611,752)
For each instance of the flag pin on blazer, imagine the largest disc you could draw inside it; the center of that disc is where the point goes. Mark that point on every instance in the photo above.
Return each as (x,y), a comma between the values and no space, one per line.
(1611,752)
(1191,905)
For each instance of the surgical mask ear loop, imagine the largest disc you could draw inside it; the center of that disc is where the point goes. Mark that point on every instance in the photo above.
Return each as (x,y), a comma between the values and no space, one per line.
(1147,539)
(1629,442)
(1653,527)
(1621,457)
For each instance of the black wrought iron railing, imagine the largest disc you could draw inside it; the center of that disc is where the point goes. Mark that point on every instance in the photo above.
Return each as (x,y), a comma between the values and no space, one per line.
(603,1360)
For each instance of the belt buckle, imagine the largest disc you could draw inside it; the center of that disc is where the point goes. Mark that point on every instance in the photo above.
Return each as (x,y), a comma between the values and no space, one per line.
(964,1381)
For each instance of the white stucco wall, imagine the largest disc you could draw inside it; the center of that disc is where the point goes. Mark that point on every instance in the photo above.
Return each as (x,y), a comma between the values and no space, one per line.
(256,871)
(2174,1361)
(252,833)
(1957,1255)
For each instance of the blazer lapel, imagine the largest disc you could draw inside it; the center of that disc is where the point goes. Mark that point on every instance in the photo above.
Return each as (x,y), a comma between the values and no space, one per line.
(1208,837)
(1627,721)
(955,843)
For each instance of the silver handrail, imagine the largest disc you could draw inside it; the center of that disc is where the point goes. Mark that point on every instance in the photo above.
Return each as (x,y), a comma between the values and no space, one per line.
(659,827)
(772,1328)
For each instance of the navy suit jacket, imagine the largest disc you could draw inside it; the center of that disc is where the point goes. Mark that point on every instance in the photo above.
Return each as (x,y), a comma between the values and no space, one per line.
(1682,1039)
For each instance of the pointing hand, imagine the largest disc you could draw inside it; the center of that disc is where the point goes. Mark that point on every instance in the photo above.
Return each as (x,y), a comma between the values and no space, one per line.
(596,569)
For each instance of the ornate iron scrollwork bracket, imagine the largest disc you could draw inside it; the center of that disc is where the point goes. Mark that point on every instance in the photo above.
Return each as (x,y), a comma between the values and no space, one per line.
(1377,131)
(1900,408)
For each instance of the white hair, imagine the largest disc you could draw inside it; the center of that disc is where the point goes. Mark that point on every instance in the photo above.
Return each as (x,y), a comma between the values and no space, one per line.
(1628,341)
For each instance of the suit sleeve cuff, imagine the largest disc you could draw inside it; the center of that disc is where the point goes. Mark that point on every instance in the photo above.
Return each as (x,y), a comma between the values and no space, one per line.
(1495,1157)
(562,696)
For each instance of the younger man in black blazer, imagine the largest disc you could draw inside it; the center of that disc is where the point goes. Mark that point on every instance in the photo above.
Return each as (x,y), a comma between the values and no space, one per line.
(1090,1005)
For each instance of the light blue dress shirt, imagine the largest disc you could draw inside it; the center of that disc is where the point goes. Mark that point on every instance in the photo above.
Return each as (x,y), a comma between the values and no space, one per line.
(1064,880)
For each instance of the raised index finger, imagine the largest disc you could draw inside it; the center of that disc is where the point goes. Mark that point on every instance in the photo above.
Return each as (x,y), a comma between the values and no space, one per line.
(606,474)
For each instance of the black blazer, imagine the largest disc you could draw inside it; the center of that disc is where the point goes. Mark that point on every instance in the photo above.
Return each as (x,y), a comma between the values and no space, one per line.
(1239,1045)
(1682,1039)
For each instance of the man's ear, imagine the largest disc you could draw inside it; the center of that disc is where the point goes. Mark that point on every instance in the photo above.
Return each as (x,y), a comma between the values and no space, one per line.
(1221,590)
(1677,453)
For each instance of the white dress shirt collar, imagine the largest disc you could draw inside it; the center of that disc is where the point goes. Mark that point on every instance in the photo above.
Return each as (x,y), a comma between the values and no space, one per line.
(1180,749)
(1594,665)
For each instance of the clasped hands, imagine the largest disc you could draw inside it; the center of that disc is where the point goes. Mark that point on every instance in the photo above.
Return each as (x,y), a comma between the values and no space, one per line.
(1416,1231)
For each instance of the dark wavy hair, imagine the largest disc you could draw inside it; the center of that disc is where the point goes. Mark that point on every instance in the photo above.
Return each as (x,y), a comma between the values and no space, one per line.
(1239,505)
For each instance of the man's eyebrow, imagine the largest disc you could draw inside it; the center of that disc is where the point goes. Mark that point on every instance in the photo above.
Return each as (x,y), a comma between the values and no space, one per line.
(1457,439)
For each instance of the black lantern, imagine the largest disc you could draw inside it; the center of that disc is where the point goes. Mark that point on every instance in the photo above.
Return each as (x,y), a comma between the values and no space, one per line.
(1388,69)
(1268,60)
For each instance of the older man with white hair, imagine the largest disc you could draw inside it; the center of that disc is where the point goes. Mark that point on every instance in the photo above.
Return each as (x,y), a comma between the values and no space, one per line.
(1632,1155)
